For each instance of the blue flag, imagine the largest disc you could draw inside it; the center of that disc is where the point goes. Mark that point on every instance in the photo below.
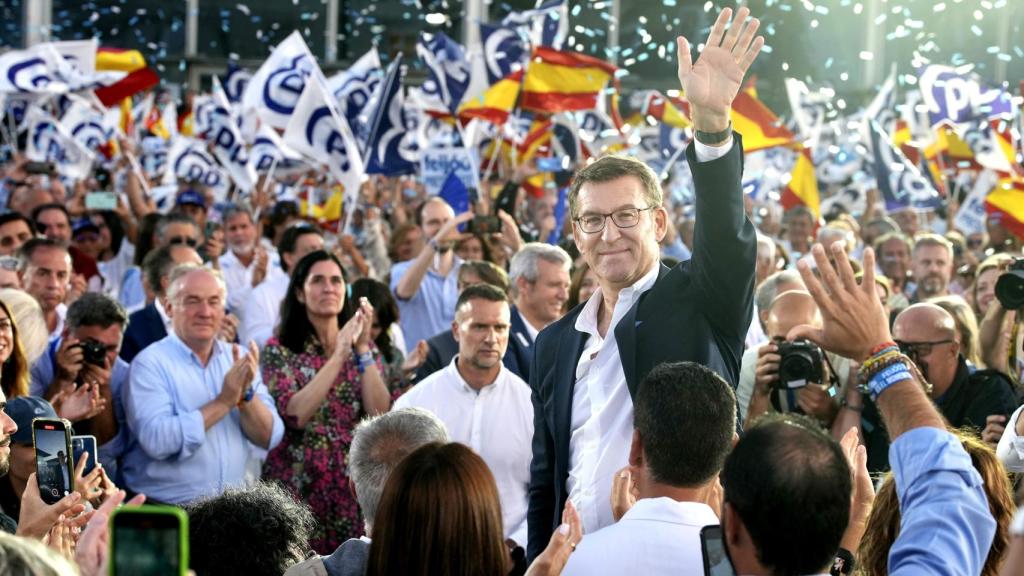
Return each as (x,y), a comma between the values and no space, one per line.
(455,193)
(385,152)
(448,69)
(899,181)
(560,208)
(503,50)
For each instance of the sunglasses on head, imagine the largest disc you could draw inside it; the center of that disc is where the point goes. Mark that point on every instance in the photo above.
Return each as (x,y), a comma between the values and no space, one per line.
(188,240)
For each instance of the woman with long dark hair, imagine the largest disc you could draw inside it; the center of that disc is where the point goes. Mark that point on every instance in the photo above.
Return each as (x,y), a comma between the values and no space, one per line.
(324,373)
(13,364)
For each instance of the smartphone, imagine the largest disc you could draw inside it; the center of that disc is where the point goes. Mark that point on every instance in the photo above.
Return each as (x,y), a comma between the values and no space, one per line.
(549,164)
(84,445)
(54,458)
(484,225)
(712,546)
(39,167)
(148,541)
(101,201)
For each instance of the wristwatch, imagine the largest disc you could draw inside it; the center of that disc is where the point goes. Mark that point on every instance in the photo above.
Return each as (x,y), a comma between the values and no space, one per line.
(714,137)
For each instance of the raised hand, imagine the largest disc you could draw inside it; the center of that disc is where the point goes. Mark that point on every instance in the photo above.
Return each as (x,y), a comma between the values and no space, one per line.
(711,84)
(853,321)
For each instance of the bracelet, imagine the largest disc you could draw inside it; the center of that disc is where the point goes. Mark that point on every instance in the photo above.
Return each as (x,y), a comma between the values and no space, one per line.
(433,244)
(881,381)
(363,361)
(883,346)
(851,407)
(712,138)
(843,563)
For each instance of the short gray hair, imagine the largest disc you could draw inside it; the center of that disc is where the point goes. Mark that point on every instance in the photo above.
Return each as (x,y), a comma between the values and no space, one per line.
(380,443)
(178,274)
(95,309)
(769,289)
(235,209)
(524,263)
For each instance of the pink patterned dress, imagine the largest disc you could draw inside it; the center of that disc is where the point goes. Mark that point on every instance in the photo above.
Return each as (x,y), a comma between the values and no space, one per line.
(312,461)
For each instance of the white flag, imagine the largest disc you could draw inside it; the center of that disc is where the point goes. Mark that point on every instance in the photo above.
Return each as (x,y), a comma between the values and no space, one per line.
(48,141)
(89,126)
(268,149)
(226,141)
(189,161)
(317,130)
(275,89)
(36,70)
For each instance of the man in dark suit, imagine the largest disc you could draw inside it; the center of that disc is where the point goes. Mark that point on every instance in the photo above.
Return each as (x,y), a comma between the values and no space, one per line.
(588,364)
(150,324)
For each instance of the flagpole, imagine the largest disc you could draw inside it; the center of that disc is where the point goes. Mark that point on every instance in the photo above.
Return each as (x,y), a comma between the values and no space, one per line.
(672,162)
(465,145)
(494,157)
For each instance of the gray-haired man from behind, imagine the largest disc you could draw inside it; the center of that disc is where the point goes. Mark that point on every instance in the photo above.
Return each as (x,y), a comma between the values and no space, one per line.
(379,444)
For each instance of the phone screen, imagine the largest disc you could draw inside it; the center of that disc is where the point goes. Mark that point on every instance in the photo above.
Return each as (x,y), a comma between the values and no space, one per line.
(84,444)
(101,201)
(716,560)
(53,460)
(148,543)
(549,164)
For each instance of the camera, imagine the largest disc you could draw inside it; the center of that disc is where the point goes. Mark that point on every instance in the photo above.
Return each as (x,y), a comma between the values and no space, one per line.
(94,353)
(802,362)
(1010,286)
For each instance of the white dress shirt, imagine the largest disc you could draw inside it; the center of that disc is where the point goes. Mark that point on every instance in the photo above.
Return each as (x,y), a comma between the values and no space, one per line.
(1011,446)
(496,422)
(262,310)
(602,409)
(238,277)
(656,536)
(168,324)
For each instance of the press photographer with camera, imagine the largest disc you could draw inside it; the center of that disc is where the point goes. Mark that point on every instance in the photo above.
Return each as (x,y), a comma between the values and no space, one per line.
(794,376)
(82,375)
(999,295)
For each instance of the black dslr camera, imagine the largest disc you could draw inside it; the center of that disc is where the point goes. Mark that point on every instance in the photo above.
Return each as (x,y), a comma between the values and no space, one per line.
(802,362)
(94,353)
(1010,286)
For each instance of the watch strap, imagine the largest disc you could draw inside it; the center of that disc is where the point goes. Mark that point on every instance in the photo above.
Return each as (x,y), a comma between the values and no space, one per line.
(714,137)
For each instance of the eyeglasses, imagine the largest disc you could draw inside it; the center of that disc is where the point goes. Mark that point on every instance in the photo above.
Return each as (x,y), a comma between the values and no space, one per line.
(191,242)
(624,218)
(918,349)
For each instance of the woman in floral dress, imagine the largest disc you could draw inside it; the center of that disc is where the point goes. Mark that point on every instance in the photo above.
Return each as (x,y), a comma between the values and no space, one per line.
(325,375)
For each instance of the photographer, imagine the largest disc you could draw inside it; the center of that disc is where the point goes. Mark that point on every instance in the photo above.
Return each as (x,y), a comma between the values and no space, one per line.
(82,375)
(792,376)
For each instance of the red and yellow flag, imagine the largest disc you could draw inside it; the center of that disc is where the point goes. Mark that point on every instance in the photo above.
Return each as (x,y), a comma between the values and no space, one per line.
(802,188)
(139,78)
(757,124)
(496,103)
(559,81)
(669,111)
(1007,200)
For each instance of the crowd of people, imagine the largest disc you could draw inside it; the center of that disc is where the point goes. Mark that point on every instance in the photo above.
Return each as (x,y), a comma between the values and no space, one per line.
(402,396)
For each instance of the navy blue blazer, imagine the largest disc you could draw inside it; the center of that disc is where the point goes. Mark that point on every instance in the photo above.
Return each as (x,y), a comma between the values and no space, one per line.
(144,327)
(697,311)
(518,356)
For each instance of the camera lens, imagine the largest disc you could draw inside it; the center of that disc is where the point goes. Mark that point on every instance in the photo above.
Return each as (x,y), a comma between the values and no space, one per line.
(1010,289)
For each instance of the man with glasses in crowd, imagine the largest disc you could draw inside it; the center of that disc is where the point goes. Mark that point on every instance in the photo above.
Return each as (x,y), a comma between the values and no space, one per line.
(588,365)
(965,396)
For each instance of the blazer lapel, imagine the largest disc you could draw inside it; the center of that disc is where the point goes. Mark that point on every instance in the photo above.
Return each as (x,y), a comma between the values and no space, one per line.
(625,336)
(570,347)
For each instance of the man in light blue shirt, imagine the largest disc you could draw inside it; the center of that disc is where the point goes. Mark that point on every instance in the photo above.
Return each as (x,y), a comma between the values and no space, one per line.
(426,287)
(196,405)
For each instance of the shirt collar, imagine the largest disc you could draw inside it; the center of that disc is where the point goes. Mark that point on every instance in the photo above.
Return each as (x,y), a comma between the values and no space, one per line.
(587,320)
(180,344)
(670,510)
(460,383)
(163,314)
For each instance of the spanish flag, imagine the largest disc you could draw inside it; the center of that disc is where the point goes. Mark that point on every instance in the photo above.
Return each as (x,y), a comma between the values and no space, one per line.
(757,124)
(139,78)
(564,81)
(803,185)
(950,152)
(667,110)
(1007,200)
(327,214)
(496,103)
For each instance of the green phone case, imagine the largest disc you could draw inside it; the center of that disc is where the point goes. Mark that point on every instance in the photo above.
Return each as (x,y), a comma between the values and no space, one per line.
(151,510)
